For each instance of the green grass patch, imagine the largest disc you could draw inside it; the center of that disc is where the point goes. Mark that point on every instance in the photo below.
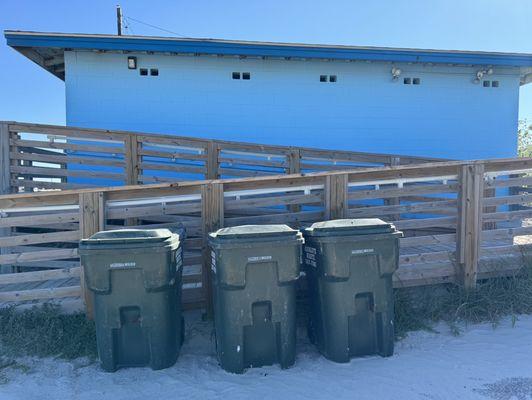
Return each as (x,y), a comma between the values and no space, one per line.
(45,331)
(420,308)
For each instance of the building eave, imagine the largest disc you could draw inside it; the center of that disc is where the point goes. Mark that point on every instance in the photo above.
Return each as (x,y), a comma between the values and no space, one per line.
(47,50)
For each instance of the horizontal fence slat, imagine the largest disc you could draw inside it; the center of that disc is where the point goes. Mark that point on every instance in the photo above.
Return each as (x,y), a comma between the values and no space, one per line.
(63,172)
(37,238)
(445,222)
(510,182)
(31,220)
(59,254)
(67,146)
(401,192)
(35,276)
(40,294)
(507,200)
(67,158)
(446,206)
(424,274)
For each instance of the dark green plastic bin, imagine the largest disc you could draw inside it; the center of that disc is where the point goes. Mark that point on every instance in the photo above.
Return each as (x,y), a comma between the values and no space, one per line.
(135,276)
(349,265)
(254,272)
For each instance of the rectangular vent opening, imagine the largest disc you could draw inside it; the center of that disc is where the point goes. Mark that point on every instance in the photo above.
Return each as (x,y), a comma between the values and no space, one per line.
(236,75)
(154,72)
(143,71)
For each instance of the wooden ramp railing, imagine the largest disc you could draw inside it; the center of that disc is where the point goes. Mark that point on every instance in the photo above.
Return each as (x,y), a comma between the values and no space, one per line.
(38,157)
(459,219)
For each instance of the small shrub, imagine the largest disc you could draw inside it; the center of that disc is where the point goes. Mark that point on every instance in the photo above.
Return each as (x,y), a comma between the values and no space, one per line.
(492,299)
(46,332)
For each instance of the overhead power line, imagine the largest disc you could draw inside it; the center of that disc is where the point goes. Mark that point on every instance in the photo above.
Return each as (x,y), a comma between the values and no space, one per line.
(153,26)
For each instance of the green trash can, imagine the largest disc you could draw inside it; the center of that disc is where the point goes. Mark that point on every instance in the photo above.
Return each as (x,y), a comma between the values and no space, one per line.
(349,264)
(255,269)
(135,277)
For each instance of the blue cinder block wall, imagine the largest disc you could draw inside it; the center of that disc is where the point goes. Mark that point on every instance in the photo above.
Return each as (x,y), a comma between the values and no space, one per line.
(284,102)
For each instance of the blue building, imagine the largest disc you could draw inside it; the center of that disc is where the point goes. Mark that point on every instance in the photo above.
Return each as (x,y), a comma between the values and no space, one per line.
(453,104)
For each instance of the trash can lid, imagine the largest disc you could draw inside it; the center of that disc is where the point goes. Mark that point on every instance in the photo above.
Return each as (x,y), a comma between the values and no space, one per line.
(341,227)
(129,237)
(251,231)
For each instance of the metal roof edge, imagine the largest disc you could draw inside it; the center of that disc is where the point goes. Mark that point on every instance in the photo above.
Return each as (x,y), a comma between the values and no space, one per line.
(24,39)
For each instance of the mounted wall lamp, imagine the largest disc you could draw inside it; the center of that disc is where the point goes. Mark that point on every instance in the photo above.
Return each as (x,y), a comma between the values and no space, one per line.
(132,62)
(396,72)
(481,72)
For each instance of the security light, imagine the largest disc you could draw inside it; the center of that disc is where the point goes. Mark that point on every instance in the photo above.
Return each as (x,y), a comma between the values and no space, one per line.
(132,62)
(480,74)
(396,72)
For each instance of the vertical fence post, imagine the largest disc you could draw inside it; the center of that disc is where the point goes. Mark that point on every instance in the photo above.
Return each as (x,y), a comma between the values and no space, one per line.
(336,200)
(131,157)
(212,163)
(132,160)
(294,167)
(212,215)
(469,226)
(294,161)
(91,220)
(394,201)
(5,183)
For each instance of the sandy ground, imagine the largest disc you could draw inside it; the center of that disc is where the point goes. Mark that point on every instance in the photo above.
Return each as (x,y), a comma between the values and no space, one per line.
(482,363)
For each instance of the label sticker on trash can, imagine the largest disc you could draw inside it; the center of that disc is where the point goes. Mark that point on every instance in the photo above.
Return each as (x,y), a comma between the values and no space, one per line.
(362,251)
(259,258)
(310,256)
(213,262)
(178,258)
(130,264)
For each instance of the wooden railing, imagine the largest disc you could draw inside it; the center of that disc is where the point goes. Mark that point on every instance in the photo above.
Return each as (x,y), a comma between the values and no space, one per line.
(40,157)
(459,221)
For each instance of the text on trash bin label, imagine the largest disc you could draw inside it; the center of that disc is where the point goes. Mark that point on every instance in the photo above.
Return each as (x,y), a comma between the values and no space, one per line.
(362,251)
(310,256)
(130,264)
(259,258)
(213,262)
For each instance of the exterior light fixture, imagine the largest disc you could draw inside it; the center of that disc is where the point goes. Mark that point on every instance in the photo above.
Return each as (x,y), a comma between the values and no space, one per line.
(480,74)
(396,72)
(132,62)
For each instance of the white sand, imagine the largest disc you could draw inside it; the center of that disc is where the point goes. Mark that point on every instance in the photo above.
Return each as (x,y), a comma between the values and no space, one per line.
(482,363)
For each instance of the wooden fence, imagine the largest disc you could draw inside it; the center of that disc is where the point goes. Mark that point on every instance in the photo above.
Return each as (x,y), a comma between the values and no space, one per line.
(460,221)
(38,157)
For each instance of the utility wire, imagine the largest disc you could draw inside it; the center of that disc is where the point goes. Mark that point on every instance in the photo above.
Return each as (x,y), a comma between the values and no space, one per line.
(128,25)
(154,26)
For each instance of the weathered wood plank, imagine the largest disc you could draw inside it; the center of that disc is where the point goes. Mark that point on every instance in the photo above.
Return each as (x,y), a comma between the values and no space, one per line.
(67,146)
(34,276)
(469,226)
(402,192)
(59,254)
(507,200)
(91,220)
(40,294)
(61,158)
(336,200)
(446,206)
(41,219)
(60,172)
(37,238)
(212,200)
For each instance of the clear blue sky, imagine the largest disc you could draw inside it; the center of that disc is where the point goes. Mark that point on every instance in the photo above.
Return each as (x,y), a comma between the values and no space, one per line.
(28,93)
